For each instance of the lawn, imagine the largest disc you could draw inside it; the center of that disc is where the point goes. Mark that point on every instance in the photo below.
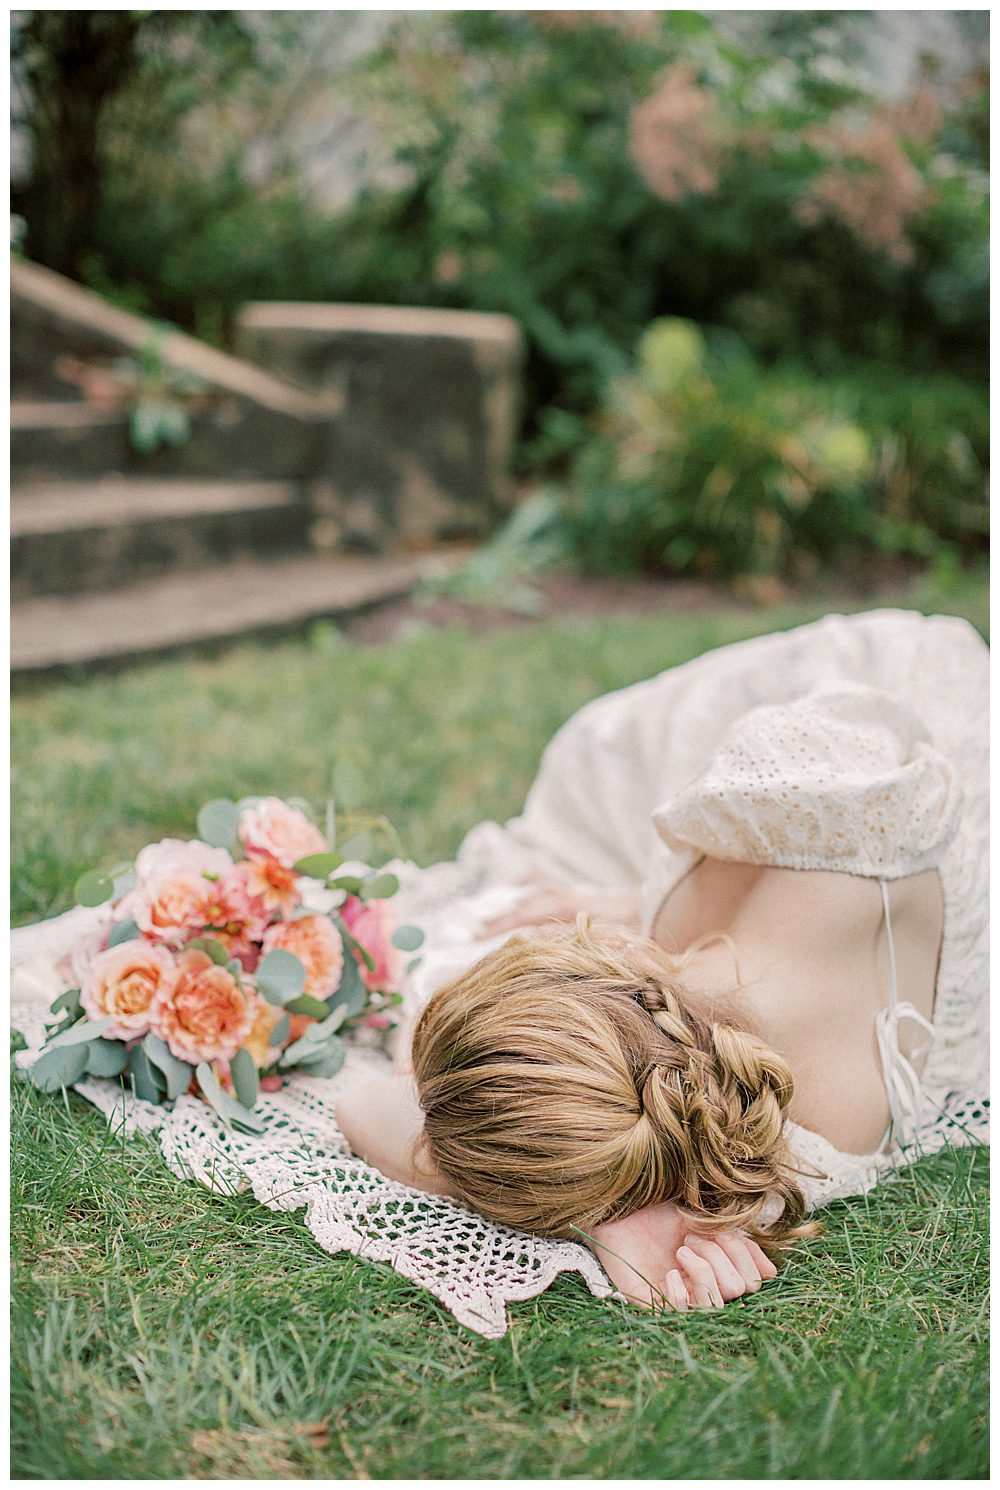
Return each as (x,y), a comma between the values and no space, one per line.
(160,1331)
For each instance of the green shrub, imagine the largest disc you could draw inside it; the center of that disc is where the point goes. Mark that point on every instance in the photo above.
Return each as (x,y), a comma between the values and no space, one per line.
(703,462)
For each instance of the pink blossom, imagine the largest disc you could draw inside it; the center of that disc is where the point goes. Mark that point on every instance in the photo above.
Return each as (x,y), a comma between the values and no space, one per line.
(274,830)
(372,923)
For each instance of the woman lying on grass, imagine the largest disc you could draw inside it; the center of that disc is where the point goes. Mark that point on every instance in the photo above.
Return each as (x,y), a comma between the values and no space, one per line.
(794,992)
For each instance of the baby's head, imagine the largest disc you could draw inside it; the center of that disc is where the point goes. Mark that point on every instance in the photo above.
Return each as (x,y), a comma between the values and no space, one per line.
(567,1080)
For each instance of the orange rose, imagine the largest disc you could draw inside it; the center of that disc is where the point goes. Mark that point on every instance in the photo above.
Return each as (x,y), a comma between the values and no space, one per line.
(205,1016)
(316,942)
(123,982)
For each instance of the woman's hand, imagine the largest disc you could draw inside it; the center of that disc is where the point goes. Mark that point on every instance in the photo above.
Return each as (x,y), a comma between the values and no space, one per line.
(545,904)
(656,1258)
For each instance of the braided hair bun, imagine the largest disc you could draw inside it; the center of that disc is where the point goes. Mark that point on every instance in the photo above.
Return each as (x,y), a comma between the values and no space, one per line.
(568,1080)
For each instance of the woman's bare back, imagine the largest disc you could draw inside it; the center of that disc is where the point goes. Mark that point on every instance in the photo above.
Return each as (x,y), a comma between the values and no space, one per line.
(812,975)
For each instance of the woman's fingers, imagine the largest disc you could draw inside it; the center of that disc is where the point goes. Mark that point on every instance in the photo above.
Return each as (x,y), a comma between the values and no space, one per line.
(760,1257)
(703,1290)
(675,1291)
(728,1279)
(530,910)
(737,1249)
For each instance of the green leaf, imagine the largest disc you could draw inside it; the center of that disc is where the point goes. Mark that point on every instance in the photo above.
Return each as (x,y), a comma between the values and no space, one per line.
(358,846)
(407,938)
(244,1074)
(232,1113)
(318,866)
(87,1029)
(125,931)
(281,976)
(70,1001)
(348,786)
(349,882)
(280,1031)
(58,1068)
(382,887)
(211,948)
(143,1075)
(94,888)
(106,1058)
(332,1022)
(306,1004)
(352,990)
(329,1062)
(176,1073)
(217,822)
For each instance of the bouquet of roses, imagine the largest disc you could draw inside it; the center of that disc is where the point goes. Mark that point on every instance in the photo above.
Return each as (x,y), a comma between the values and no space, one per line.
(222,963)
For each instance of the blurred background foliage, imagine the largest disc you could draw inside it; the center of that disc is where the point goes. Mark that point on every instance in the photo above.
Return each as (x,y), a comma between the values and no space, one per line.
(753,288)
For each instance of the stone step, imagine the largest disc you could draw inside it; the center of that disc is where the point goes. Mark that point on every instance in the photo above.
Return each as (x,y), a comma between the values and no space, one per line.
(50,440)
(52,635)
(68,537)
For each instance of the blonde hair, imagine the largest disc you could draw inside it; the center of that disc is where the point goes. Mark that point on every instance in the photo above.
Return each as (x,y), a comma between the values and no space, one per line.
(568,1080)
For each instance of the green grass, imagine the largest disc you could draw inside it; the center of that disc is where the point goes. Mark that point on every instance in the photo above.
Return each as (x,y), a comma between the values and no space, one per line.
(160,1331)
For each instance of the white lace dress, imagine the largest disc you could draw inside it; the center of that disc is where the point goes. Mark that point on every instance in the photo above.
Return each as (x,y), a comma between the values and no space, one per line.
(855,743)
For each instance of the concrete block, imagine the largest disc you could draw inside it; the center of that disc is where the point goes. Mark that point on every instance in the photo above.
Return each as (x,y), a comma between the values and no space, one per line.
(422,448)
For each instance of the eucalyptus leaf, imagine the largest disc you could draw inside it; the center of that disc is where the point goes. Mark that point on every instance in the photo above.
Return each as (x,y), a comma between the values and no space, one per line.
(382,887)
(211,948)
(333,1021)
(106,1058)
(358,846)
(244,1074)
(93,888)
(123,881)
(176,1073)
(58,1068)
(318,866)
(349,883)
(70,1001)
(328,1063)
(125,931)
(352,990)
(280,1031)
(231,1112)
(281,976)
(407,938)
(299,1049)
(143,1076)
(218,821)
(87,1029)
(306,1004)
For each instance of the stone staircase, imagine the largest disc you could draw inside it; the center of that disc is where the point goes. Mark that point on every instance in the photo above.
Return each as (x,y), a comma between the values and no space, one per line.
(118,554)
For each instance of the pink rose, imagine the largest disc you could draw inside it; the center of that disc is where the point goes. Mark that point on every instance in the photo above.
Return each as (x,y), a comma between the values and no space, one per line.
(372,923)
(124,982)
(316,941)
(205,1016)
(274,830)
(175,885)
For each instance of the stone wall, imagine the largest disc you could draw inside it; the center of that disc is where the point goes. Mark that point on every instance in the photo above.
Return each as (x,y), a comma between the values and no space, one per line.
(422,447)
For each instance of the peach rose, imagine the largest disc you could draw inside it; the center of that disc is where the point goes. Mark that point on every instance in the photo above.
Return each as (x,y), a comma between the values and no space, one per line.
(372,923)
(266,1016)
(237,917)
(317,942)
(274,830)
(123,982)
(175,885)
(205,1016)
(273,884)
